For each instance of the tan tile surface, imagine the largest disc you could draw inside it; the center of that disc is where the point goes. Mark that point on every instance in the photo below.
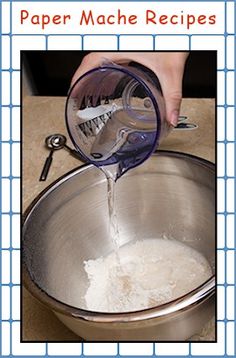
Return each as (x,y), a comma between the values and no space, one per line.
(43,116)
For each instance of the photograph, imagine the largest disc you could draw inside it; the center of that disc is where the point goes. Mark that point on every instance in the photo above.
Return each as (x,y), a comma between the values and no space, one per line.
(118,196)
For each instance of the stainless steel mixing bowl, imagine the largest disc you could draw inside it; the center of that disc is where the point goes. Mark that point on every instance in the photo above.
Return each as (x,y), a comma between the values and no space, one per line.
(171,194)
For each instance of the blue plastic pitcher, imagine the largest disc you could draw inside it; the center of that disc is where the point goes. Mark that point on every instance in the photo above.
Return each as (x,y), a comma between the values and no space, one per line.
(115,116)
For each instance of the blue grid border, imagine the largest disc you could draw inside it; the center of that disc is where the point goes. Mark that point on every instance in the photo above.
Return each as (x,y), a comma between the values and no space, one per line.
(10,180)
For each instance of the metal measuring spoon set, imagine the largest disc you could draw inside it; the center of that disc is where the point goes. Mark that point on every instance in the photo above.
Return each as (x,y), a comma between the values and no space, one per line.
(55,142)
(183,124)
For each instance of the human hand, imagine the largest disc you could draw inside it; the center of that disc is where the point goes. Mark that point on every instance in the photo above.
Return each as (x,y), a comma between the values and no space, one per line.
(168,67)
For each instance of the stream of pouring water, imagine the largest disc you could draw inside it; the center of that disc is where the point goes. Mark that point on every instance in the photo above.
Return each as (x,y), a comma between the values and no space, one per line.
(113,223)
(112,173)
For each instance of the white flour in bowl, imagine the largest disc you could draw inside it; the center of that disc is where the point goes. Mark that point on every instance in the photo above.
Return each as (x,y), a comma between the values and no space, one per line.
(148,273)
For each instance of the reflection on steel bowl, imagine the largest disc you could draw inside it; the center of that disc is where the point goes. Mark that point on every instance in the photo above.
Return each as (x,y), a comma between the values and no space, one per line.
(171,194)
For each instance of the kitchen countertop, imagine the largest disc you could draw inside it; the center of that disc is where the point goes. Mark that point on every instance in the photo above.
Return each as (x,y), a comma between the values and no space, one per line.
(43,116)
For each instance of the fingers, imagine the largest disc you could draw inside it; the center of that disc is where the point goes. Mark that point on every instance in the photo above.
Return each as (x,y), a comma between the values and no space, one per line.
(168,66)
(87,64)
(170,70)
(96,59)
(172,92)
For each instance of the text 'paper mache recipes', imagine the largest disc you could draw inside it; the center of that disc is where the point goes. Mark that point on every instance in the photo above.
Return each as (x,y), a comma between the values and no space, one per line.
(117,18)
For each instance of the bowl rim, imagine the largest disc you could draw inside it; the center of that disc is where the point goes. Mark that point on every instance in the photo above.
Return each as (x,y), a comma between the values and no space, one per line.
(180,304)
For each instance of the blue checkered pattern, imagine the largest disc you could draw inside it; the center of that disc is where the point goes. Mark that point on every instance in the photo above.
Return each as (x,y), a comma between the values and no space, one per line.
(11,44)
